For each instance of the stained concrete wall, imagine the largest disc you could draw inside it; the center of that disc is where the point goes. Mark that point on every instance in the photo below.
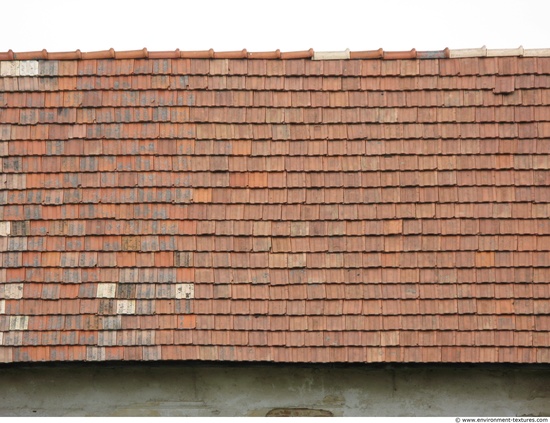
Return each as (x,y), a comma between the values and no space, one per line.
(192,389)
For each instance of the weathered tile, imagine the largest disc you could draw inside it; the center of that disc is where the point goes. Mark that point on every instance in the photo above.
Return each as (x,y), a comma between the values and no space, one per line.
(126,306)
(17,323)
(185,290)
(261,184)
(106,290)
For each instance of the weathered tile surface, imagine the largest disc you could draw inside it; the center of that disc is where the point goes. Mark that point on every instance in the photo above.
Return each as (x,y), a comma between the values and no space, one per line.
(275,210)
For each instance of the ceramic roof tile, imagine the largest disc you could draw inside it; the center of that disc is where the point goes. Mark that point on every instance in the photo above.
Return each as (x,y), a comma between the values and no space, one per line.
(242,206)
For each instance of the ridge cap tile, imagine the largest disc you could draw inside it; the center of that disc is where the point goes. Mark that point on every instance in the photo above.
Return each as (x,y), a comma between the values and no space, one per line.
(277,54)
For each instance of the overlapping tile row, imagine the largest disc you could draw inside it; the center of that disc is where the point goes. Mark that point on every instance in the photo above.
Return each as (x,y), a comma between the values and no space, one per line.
(295,210)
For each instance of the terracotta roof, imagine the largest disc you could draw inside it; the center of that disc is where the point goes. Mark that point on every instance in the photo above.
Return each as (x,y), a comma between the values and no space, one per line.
(294,210)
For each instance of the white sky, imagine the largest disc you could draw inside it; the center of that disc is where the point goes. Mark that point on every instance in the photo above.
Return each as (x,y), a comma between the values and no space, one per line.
(288,25)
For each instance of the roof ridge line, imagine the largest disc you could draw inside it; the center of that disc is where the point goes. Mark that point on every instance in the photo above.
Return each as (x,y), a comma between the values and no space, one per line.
(10,55)
(499,52)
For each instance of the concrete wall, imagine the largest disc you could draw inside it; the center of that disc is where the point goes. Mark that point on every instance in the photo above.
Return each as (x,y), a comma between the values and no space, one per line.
(258,390)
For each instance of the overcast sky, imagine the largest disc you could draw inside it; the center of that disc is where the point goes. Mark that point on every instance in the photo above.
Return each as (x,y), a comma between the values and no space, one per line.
(288,25)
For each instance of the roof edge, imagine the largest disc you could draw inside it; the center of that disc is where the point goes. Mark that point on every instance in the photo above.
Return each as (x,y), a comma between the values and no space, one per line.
(10,55)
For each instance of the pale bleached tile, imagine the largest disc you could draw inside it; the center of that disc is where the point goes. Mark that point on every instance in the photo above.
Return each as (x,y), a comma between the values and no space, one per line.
(28,68)
(106,290)
(19,322)
(9,68)
(13,291)
(185,290)
(5,228)
(126,306)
